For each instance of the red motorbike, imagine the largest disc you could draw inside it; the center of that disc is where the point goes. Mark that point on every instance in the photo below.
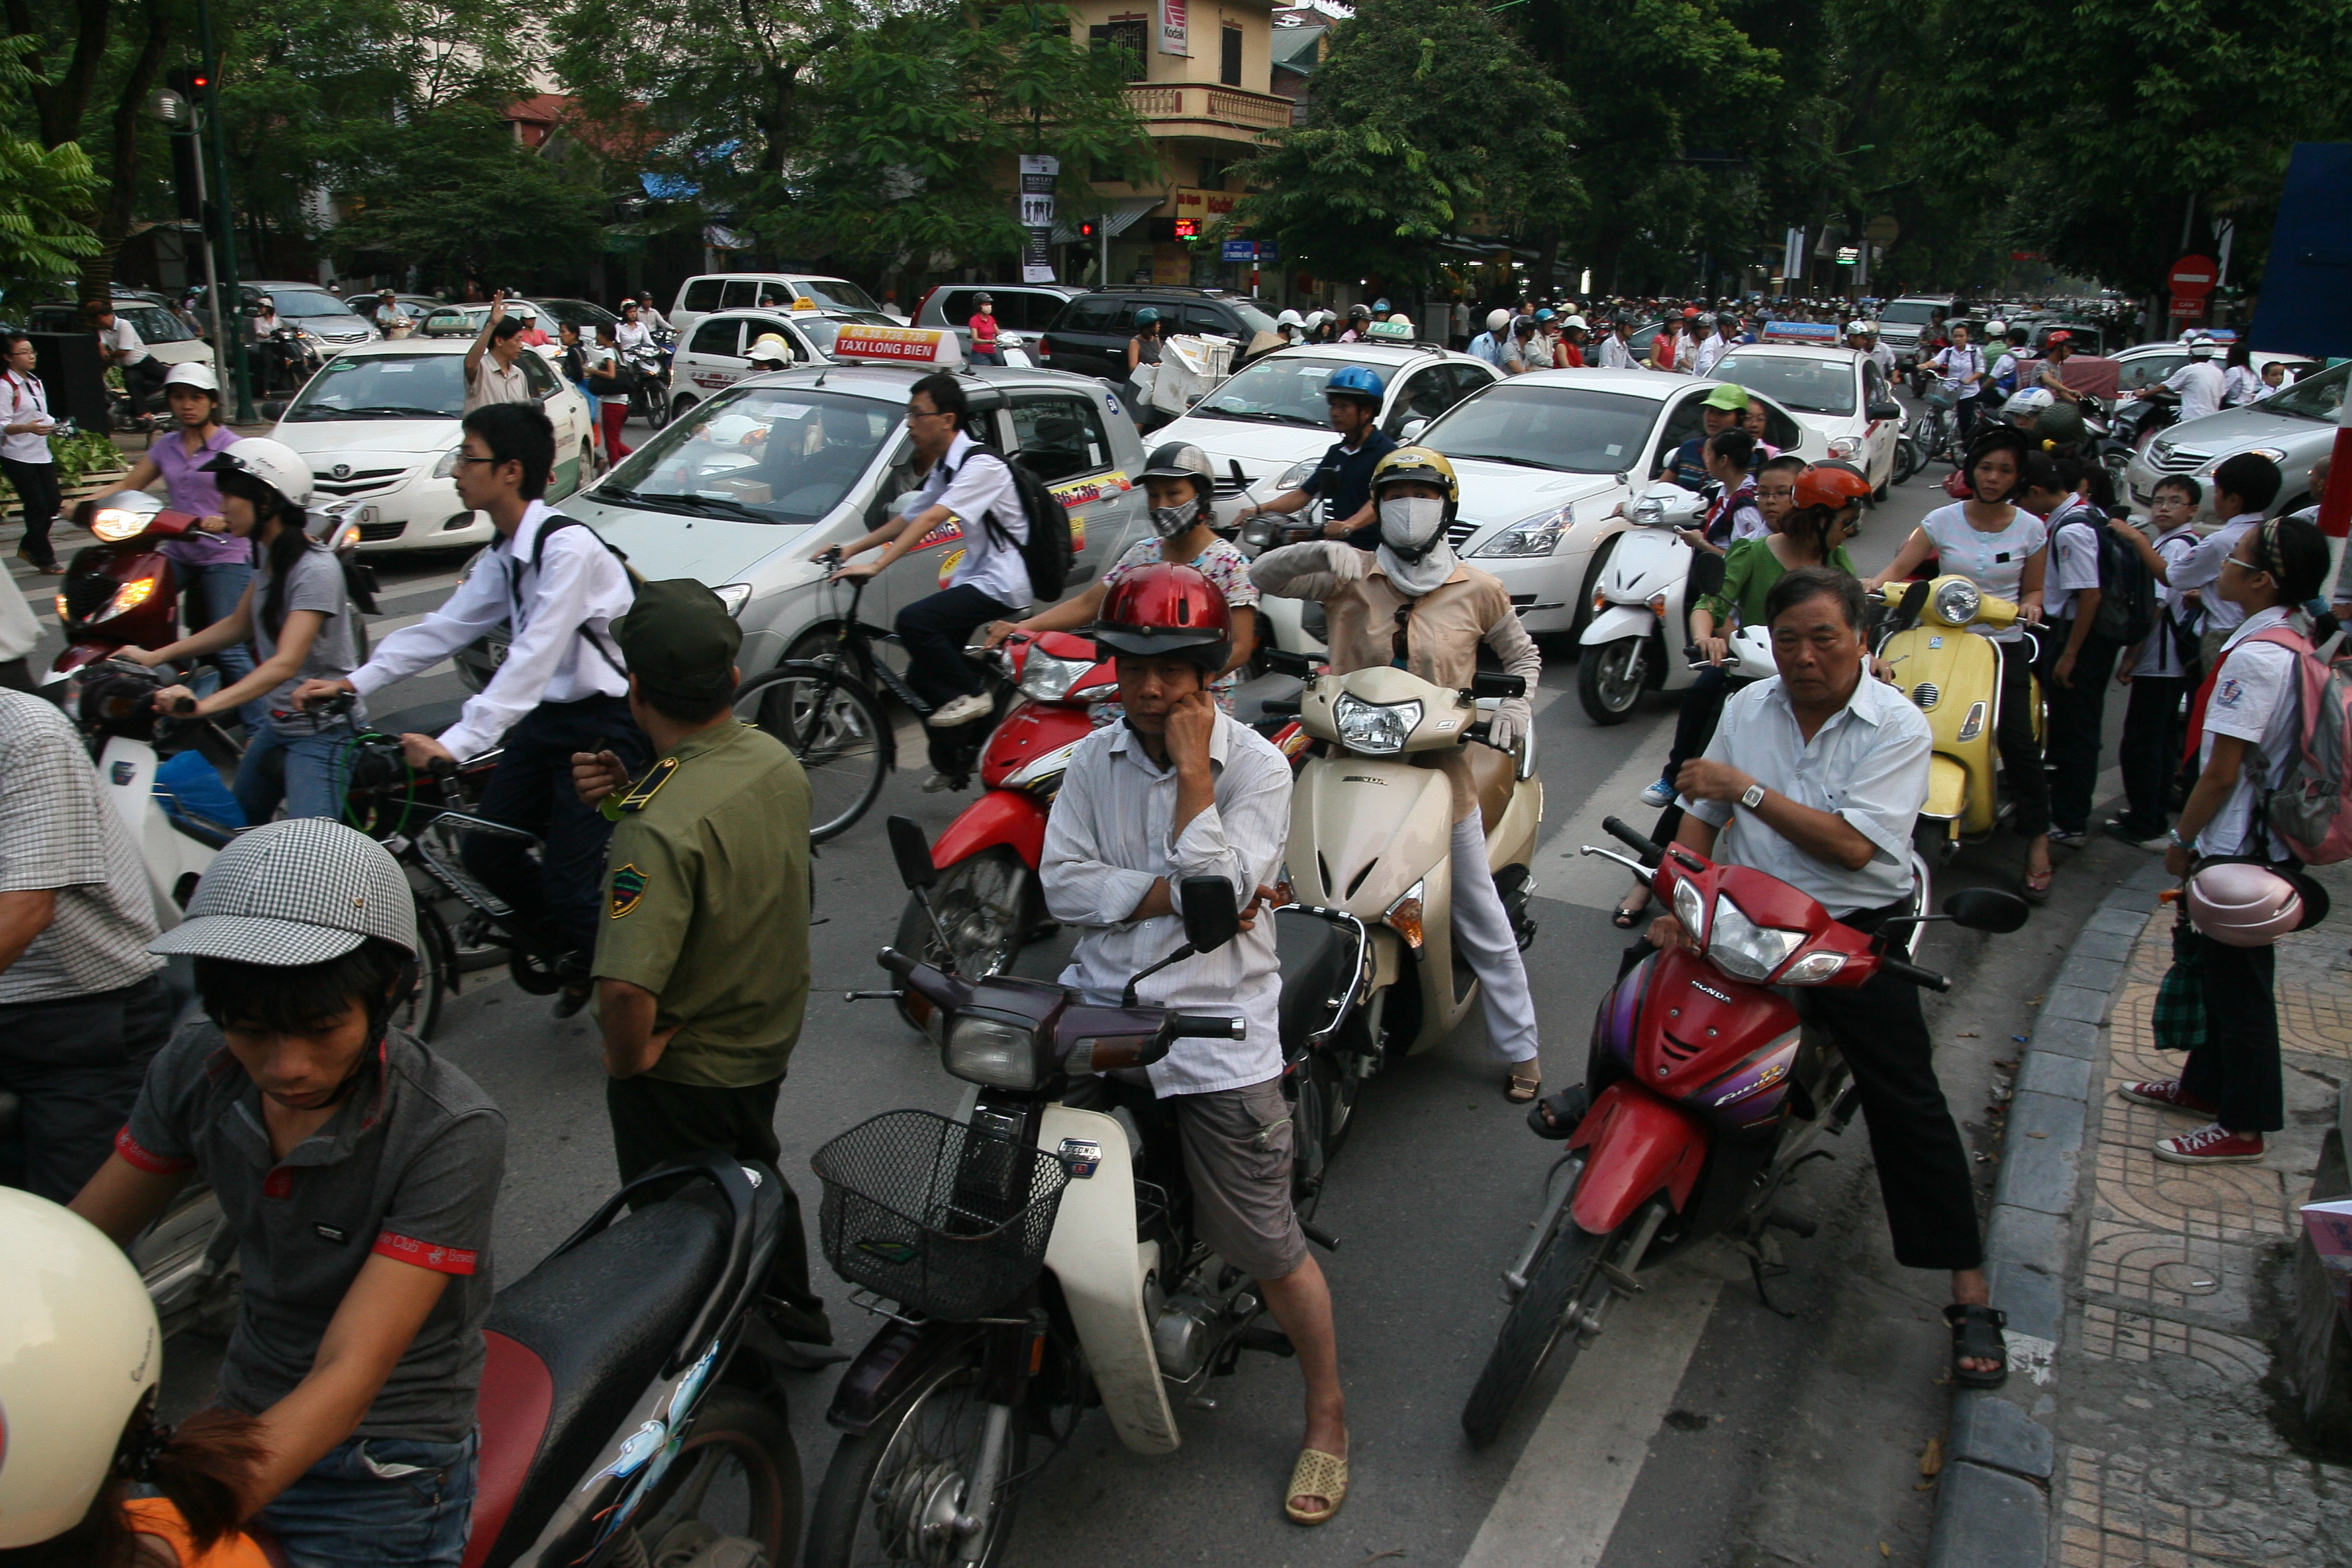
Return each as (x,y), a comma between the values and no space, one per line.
(122,591)
(1718,1086)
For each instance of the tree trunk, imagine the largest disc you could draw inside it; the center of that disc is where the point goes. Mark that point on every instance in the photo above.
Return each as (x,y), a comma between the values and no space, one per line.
(59,104)
(114,218)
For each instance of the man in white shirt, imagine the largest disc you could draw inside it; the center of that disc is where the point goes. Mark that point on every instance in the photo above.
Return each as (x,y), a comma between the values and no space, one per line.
(2199,384)
(2243,488)
(1489,344)
(1726,339)
(1174,790)
(120,344)
(494,371)
(551,587)
(1617,348)
(969,489)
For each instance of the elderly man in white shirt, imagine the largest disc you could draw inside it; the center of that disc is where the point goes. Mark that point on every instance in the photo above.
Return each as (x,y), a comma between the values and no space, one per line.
(1177,789)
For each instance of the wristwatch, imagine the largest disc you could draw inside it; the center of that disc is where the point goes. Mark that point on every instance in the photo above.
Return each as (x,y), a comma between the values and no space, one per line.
(1753,798)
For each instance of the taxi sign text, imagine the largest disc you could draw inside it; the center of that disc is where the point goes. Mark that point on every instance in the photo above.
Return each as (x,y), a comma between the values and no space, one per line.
(896,345)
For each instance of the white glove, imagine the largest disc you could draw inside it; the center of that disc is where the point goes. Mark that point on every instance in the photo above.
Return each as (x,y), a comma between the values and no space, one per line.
(1514,717)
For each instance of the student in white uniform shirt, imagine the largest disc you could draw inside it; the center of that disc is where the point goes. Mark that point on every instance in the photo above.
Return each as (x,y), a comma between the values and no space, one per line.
(25,458)
(2232,1082)
(2243,488)
(2160,670)
(2199,384)
(2076,659)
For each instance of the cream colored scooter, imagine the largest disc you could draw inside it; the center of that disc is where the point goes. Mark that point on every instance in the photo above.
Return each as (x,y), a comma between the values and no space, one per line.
(1371,830)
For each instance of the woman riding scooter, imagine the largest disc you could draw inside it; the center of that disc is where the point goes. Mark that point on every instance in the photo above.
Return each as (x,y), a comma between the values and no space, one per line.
(2002,549)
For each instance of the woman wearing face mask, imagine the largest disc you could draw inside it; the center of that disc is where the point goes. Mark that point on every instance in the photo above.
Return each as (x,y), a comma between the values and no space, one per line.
(1411,602)
(1181,486)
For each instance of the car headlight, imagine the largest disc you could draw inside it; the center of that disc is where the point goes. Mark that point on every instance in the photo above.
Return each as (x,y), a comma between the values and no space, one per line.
(1844,446)
(1374,728)
(1741,948)
(447,468)
(2273,453)
(992,1051)
(1538,536)
(1957,603)
(1404,917)
(1046,677)
(1690,908)
(1812,969)
(1295,475)
(734,595)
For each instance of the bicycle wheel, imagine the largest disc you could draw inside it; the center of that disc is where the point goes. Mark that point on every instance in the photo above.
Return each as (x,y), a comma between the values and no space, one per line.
(834,725)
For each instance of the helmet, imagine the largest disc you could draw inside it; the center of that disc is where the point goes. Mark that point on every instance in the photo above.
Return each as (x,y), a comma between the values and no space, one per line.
(1381,304)
(2060,425)
(1355,381)
(2241,904)
(1544,314)
(1706,318)
(1857,328)
(983,298)
(300,890)
(1146,316)
(274,463)
(1729,396)
(2199,343)
(1289,319)
(1689,310)
(1423,464)
(1995,325)
(2027,403)
(1497,320)
(202,377)
(1181,461)
(1359,312)
(770,346)
(79,1351)
(1833,485)
(1166,611)
(1579,322)
(2061,337)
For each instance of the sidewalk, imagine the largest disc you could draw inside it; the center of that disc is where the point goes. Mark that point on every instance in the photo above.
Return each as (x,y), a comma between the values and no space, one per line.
(2145,1299)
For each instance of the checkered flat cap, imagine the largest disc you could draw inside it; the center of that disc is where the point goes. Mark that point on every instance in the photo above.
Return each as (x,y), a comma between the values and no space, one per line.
(295,892)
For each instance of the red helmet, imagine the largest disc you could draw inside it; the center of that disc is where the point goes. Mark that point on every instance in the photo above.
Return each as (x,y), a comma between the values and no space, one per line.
(1166,611)
(1831,486)
(2060,336)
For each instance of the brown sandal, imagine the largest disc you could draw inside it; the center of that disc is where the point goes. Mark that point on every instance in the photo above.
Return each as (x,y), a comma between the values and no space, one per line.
(1525,1081)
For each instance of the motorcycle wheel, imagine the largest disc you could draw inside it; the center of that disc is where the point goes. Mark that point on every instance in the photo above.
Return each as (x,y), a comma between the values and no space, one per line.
(1610,678)
(419,1012)
(886,1492)
(656,401)
(740,1464)
(988,905)
(1906,460)
(1559,1282)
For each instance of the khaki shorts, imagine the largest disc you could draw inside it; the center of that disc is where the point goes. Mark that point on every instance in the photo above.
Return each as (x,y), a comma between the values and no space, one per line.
(1237,1155)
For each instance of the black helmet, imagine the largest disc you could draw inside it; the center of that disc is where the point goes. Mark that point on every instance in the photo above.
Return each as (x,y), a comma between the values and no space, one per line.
(1181,461)
(2060,425)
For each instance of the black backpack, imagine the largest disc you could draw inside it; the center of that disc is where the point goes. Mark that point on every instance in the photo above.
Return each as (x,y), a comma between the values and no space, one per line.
(1048,553)
(2127,589)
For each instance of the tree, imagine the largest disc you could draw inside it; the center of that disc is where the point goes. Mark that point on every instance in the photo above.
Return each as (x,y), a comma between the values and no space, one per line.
(41,190)
(1429,121)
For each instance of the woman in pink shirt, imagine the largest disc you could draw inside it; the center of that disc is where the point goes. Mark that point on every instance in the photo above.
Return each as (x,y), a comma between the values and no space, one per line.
(984,331)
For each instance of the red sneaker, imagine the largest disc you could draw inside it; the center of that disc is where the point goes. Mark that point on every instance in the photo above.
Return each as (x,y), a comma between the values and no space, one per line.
(2165,1094)
(2212,1144)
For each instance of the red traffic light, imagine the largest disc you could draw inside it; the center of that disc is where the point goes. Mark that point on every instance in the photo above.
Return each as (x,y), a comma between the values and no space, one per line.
(1086,231)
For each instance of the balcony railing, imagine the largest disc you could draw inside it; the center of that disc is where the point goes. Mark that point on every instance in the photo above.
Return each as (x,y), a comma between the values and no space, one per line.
(1160,103)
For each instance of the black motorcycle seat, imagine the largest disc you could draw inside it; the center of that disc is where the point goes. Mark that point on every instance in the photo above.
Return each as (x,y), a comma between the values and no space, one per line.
(572,1347)
(1316,968)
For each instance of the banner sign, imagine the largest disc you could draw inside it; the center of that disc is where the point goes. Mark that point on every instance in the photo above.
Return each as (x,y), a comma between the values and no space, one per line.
(1241,250)
(1038,173)
(1171,28)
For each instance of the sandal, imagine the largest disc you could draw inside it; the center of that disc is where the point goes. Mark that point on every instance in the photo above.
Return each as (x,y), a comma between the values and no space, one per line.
(1555,1116)
(1624,919)
(1976,1336)
(1317,1474)
(2036,889)
(1526,1077)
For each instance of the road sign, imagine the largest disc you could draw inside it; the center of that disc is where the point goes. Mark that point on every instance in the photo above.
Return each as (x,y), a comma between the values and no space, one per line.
(2192,277)
(2185,306)
(1240,250)
(1883,229)
(1847,256)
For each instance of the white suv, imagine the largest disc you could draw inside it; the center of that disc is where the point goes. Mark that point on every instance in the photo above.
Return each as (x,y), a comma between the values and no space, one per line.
(699,297)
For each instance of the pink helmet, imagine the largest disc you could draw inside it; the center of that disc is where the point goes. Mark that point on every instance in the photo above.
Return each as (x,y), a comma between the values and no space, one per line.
(2241,904)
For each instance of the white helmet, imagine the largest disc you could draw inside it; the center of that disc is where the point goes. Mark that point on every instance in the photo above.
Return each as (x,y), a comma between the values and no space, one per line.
(2240,904)
(2198,341)
(1579,322)
(274,463)
(194,374)
(1497,320)
(2027,403)
(1289,319)
(770,347)
(1996,327)
(79,1348)
(1857,328)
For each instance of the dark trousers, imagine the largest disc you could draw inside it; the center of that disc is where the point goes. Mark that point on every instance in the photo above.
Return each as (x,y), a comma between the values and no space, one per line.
(654,1121)
(2149,752)
(35,485)
(555,898)
(2077,716)
(2020,753)
(1695,725)
(75,1067)
(935,631)
(2236,1070)
(144,382)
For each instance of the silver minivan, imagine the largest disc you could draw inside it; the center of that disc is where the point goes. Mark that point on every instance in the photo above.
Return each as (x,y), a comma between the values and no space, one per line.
(740,492)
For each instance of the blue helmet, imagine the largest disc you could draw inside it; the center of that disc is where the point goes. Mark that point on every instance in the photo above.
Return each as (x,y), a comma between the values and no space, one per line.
(1355,381)
(1146,316)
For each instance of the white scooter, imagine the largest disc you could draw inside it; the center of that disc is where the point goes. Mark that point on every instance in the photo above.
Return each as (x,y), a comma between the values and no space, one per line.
(1640,616)
(111,702)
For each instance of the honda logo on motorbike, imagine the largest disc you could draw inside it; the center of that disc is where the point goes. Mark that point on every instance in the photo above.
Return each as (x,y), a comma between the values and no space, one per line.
(1703,986)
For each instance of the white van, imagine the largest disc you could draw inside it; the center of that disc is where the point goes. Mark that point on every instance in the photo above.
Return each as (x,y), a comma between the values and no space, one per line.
(698,297)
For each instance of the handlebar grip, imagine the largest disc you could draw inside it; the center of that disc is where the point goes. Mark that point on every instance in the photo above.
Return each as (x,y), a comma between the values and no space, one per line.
(1650,851)
(1209,1026)
(1926,979)
(442,768)
(184,706)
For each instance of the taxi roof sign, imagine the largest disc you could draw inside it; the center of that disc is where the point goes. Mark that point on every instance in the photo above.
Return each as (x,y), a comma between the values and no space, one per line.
(1817,334)
(897,345)
(1390,332)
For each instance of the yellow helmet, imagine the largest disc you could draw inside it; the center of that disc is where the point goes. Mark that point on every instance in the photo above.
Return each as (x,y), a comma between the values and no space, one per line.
(1423,464)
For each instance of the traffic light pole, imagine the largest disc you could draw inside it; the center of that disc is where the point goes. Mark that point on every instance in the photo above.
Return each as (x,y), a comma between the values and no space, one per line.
(224,333)
(228,313)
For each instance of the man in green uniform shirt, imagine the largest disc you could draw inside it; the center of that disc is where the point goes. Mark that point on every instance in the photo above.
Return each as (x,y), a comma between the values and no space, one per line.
(703,956)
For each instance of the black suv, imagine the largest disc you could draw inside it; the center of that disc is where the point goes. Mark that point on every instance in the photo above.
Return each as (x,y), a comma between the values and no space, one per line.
(1089,337)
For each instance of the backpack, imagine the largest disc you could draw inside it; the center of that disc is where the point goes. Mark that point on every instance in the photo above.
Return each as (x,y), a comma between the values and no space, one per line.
(1048,552)
(2308,810)
(555,522)
(2126,611)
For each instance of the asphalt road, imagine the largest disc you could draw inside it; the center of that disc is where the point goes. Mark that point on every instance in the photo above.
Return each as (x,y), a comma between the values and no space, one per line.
(1705,1426)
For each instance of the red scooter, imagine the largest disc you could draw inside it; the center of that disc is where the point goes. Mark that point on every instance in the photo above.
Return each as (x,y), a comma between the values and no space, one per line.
(122,591)
(1718,1086)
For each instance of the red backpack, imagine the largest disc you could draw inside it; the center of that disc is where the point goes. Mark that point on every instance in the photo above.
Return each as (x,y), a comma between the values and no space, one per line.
(2309,810)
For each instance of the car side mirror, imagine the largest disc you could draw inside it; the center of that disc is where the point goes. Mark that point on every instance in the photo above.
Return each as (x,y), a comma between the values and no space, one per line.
(912,851)
(1496,684)
(1413,429)
(1210,919)
(1885,408)
(1986,908)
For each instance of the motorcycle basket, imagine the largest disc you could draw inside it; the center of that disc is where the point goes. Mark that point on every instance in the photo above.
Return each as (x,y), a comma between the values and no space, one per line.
(946,1219)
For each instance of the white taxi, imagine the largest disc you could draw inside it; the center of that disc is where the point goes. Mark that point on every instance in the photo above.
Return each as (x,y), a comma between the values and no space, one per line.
(1836,391)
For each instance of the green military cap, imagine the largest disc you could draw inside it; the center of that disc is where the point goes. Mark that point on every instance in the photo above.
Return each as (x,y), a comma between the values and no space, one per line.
(680,640)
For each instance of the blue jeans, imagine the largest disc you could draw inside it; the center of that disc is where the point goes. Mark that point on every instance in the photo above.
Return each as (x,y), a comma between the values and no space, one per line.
(379,1502)
(309,778)
(213,592)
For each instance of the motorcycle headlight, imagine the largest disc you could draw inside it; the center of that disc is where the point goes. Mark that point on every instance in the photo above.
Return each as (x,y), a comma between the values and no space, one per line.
(992,1051)
(1957,603)
(1538,536)
(1744,949)
(734,595)
(1812,969)
(1374,728)
(128,597)
(1295,475)
(1044,678)
(1691,909)
(120,521)
(447,468)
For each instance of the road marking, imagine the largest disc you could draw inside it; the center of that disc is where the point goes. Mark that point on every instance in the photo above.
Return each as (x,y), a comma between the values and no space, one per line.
(415,585)
(1562,1501)
(1587,880)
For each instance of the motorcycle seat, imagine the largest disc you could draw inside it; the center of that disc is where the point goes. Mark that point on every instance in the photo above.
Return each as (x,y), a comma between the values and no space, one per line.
(1317,969)
(570,1348)
(1495,775)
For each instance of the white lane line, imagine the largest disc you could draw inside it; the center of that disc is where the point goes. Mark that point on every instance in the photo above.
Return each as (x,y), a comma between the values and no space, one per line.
(1562,1501)
(1587,880)
(402,590)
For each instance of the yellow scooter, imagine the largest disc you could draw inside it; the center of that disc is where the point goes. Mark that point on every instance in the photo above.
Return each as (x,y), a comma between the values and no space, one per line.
(1953,675)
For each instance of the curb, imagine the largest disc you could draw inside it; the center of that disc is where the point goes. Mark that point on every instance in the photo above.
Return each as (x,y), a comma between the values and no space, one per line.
(1992,1506)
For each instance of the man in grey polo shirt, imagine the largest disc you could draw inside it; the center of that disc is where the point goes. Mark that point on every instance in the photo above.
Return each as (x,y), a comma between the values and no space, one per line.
(358,1171)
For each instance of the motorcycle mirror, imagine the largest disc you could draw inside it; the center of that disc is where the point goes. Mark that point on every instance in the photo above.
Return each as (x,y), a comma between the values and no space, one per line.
(1210,919)
(913,853)
(1288,662)
(1496,684)
(1986,908)
(1915,597)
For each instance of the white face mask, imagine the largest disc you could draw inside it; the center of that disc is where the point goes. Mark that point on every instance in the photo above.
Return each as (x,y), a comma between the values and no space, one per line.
(1411,524)
(1168,522)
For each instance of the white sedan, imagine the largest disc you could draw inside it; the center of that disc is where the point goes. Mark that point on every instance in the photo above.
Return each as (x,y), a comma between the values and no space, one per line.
(1544,458)
(1838,391)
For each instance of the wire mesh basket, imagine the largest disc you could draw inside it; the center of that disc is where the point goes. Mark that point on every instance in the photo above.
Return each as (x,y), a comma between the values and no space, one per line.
(947,1219)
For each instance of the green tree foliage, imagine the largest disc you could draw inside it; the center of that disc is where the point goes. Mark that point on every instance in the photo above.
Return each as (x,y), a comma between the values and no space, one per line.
(42,191)
(1428,121)
(92,64)
(455,196)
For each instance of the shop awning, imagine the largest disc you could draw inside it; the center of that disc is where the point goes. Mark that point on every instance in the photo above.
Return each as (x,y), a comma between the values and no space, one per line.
(1115,220)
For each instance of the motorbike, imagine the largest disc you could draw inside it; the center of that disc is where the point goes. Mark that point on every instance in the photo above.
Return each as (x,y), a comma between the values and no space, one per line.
(1638,607)
(1720,1087)
(284,361)
(649,398)
(1953,676)
(1034,1257)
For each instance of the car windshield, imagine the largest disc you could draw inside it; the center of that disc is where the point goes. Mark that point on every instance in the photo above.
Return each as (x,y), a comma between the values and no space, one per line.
(1278,391)
(308,302)
(1563,428)
(2314,397)
(384,387)
(836,294)
(1807,385)
(757,454)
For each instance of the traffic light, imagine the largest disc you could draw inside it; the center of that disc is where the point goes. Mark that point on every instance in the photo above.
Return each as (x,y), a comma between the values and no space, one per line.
(188,82)
(1086,230)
